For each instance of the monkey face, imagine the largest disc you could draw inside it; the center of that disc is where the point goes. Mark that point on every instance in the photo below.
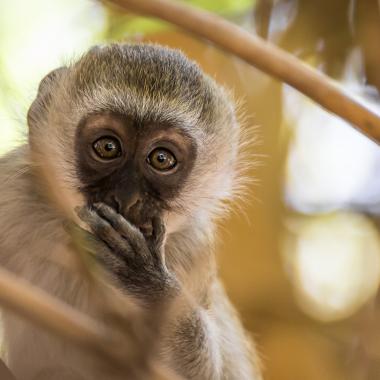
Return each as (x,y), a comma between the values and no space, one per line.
(136,168)
(141,128)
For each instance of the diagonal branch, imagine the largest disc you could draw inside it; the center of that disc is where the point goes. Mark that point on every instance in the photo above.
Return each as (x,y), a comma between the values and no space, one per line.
(83,331)
(263,55)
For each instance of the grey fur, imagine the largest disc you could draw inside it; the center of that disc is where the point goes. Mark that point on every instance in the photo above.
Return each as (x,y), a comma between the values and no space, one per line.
(202,337)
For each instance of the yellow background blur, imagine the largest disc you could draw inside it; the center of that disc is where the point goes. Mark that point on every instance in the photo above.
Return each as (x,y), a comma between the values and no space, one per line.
(301,256)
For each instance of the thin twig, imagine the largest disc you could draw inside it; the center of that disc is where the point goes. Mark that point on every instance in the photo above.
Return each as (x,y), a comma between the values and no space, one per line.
(38,306)
(5,373)
(61,319)
(263,55)
(42,308)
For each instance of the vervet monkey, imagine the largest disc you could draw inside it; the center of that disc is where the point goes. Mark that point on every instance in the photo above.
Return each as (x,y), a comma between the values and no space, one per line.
(147,148)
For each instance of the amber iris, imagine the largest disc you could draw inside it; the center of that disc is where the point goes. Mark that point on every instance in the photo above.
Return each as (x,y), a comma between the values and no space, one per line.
(107,148)
(162,159)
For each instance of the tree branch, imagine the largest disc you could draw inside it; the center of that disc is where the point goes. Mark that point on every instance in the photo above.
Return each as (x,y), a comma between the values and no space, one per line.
(61,319)
(263,55)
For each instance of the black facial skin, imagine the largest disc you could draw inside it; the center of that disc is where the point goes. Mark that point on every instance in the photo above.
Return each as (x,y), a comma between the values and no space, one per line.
(127,193)
(129,183)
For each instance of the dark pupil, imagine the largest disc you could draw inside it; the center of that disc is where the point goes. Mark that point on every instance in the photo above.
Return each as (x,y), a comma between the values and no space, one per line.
(109,146)
(161,157)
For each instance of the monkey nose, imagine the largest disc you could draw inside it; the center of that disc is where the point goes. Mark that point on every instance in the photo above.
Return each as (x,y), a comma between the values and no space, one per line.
(122,203)
(130,203)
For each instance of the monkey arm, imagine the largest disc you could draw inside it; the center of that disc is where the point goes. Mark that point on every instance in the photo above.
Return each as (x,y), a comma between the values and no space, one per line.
(208,342)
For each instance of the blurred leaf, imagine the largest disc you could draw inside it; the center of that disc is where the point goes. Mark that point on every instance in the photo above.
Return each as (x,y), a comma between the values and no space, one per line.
(327,30)
(122,25)
(223,6)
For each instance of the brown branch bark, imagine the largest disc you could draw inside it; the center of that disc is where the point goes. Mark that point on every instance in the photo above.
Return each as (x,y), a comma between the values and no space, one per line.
(5,373)
(263,55)
(38,306)
(61,319)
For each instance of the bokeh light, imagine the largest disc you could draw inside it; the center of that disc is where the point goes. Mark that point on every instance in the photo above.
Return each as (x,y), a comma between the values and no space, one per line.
(45,36)
(334,263)
(330,165)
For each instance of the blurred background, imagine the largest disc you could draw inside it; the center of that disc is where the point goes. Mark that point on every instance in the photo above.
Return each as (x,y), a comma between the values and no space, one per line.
(301,257)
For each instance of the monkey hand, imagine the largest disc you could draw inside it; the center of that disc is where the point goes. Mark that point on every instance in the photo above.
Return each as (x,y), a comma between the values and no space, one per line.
(136,260)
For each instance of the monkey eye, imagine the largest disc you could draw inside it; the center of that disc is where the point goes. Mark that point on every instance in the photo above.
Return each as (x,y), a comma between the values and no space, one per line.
(107,148)
(162,159)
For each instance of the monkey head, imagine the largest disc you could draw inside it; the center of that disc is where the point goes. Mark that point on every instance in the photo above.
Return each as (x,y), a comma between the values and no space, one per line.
(140,128)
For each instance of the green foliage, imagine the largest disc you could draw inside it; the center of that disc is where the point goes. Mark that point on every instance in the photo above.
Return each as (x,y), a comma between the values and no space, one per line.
(225,7)
(123,25)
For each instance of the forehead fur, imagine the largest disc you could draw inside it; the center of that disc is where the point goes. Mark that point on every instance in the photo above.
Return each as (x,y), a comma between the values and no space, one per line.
(143,80)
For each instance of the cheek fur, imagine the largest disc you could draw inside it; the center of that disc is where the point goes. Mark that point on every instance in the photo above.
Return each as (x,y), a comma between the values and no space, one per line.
(173,221)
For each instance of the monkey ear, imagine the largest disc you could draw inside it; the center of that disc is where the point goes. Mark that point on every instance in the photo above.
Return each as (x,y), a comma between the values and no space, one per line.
(39,106)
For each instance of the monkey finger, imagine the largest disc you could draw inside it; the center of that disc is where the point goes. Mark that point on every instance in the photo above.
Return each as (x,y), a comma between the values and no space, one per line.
(127,230)
(159,231)
(105,232)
